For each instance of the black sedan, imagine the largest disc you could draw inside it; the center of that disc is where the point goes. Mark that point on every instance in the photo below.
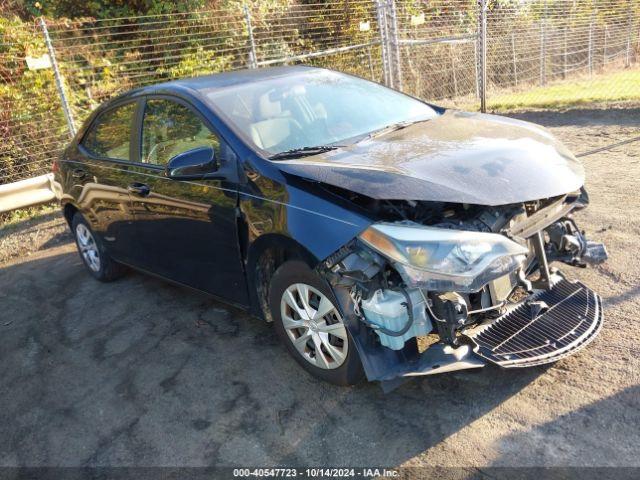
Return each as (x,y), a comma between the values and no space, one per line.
(383,236)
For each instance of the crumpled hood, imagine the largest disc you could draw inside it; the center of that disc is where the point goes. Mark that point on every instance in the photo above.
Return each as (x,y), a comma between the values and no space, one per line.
(457,157)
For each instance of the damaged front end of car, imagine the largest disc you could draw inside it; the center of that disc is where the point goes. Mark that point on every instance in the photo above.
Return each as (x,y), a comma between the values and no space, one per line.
(437,287)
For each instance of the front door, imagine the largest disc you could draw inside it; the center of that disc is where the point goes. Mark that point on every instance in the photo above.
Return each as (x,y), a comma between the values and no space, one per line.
(185,231)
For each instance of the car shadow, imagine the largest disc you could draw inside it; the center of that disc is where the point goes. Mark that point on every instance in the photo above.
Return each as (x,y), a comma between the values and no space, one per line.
(623,297)
(140,372)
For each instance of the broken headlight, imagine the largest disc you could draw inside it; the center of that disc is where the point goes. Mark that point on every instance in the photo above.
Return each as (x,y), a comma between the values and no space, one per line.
(440,259)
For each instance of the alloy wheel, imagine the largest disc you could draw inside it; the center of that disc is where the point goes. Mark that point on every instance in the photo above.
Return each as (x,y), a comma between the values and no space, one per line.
(88,247)
(314,326)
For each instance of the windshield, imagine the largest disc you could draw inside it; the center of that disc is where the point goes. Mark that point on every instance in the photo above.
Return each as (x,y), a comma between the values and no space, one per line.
(314,108)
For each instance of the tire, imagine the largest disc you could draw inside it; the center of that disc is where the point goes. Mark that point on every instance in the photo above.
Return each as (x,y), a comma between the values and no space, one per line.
(93,253)
(338,362)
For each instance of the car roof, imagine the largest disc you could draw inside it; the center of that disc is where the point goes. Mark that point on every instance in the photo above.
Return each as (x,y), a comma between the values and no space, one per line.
(221,80)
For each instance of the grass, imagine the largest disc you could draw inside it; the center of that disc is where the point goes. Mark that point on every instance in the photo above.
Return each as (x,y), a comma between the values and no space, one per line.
(602,88)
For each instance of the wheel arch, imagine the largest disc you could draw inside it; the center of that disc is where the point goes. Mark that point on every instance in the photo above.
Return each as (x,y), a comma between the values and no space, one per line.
(68,211)
(264,257)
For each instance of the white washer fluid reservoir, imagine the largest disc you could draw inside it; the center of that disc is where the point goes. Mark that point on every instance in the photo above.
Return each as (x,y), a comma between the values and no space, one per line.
(387,309)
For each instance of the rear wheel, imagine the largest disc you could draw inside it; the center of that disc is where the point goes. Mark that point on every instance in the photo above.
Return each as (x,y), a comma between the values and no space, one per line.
(92,252)
(309,323)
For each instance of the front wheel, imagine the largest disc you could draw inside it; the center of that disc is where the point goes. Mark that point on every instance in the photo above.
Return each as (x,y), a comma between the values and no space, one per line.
(310,325)
(93,254)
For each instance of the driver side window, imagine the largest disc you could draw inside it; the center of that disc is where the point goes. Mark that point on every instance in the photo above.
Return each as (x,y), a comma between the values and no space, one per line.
(169,128)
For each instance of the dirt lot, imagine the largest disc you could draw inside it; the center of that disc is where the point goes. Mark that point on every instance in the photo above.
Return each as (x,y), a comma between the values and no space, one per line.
(138,372)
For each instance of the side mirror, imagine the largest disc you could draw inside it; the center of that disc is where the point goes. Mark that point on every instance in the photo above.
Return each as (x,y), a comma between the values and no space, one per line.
(192,165)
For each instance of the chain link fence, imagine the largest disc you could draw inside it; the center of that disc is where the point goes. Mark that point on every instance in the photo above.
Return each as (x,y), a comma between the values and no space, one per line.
(496,54)
(100,58)
(438,51)
(551,54)
(32,123)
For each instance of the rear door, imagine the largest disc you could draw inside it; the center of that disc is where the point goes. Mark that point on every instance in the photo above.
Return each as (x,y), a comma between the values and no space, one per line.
(99,174)
(185,231)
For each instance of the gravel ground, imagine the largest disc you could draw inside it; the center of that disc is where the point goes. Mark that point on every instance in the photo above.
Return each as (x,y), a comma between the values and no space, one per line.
(139,372)
(22,239)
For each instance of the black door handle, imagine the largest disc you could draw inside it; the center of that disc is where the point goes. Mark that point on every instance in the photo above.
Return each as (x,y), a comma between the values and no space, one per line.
(139,189)
(78,173)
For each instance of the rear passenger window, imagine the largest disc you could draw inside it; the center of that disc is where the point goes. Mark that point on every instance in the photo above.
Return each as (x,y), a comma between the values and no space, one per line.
(110,135)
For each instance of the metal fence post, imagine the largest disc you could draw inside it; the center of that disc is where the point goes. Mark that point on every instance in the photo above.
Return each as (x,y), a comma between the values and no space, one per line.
(58,78)
(453,70)
(543,45)
(604,49)
(564,57)
(476,64)
(395,52)
(627,60)
(590,49)
(382,28)
(483,56)
(253,58)
(515,63)
(373,75)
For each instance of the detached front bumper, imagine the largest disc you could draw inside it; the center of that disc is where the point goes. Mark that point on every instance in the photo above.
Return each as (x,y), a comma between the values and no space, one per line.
(546,327)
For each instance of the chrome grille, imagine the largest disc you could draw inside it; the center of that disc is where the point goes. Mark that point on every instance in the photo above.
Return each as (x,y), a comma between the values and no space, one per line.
(522,338)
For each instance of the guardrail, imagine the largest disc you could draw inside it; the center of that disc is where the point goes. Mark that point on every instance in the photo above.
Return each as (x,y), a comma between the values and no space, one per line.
(25,193)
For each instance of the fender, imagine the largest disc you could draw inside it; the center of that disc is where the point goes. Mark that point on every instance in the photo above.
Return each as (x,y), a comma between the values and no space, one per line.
(287,220)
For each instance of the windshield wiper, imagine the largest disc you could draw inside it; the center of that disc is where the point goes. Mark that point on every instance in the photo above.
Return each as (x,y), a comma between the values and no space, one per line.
(303,152)
(393,127)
